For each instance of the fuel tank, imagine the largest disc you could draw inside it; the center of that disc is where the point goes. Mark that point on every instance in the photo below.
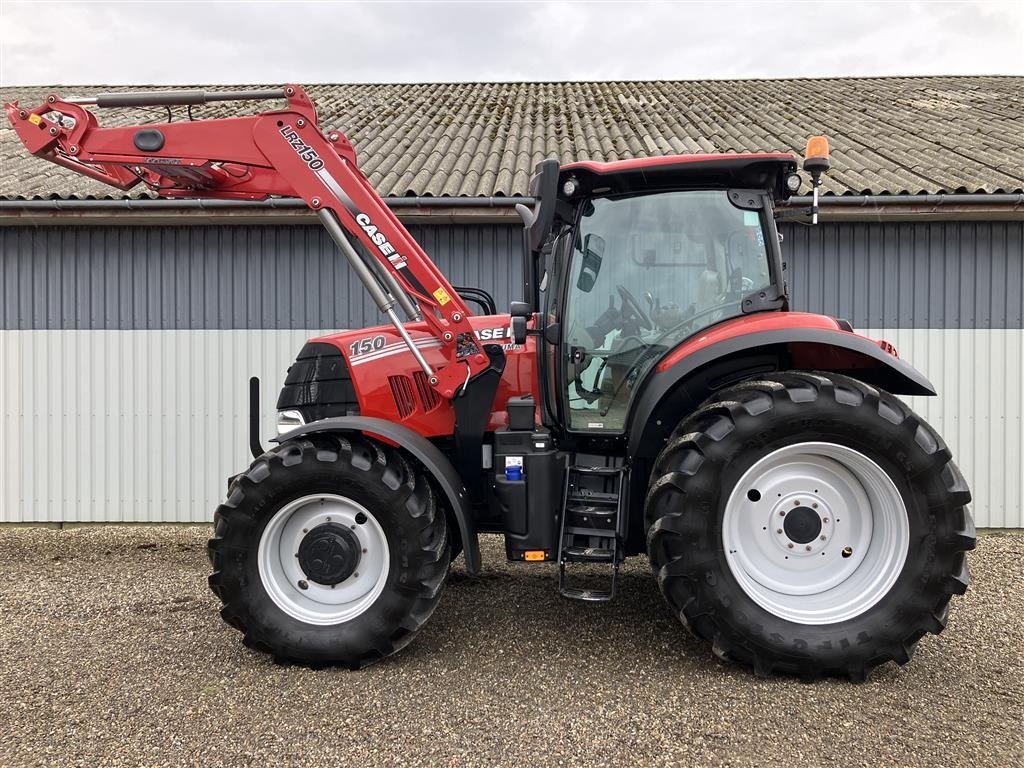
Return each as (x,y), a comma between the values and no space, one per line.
(372,372)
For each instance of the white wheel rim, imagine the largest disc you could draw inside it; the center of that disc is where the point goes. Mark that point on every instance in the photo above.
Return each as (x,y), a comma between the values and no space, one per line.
(850,563)
(294,592)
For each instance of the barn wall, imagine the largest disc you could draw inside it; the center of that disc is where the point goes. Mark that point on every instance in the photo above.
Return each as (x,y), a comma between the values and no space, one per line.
(125,351)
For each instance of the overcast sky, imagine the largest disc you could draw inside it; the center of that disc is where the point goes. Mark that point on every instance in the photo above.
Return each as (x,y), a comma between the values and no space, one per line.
(272,42)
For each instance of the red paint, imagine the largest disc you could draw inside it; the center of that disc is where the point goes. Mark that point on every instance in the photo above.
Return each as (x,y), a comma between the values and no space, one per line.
(370,374)
(741,326)
(618,166)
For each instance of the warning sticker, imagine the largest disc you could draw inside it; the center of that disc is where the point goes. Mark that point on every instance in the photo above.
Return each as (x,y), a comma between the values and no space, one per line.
(442,296)
(35,119)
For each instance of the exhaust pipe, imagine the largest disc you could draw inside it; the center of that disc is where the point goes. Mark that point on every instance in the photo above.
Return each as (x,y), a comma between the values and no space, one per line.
(254,418)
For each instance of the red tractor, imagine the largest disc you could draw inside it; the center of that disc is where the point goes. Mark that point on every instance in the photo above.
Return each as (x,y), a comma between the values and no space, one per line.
(653,394)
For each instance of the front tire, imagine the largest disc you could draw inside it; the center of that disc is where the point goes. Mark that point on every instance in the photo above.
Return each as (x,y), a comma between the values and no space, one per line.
(330,549)
(808,524)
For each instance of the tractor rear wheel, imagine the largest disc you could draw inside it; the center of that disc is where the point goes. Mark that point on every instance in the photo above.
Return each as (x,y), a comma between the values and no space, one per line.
(329,550)
(808,524)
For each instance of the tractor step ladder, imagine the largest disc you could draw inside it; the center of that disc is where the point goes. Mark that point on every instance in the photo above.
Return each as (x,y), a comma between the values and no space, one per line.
(591,530)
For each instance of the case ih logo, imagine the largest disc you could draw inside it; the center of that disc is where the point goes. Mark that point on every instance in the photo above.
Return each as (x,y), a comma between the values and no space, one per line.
(303,150)
(380,240)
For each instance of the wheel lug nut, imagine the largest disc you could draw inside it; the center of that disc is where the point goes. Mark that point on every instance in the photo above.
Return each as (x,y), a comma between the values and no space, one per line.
(790,545)
(796,503)
(808,547)
(824,519)
(822,537)
(778,530)
(364,549)
(303,584)
(782,513)
(814,505)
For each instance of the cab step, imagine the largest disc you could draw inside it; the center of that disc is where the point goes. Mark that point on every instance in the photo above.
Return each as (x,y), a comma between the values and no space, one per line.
(591,532)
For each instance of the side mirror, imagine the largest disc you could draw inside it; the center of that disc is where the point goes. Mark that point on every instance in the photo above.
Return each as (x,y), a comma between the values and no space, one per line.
(520,309)
(518,329)
(593,255)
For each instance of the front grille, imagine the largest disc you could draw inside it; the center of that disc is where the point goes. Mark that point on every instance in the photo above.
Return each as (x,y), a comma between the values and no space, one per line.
(401,390)
(429,399)
(318,384)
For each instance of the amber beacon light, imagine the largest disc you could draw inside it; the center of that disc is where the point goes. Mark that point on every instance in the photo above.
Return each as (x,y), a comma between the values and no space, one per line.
(816,162)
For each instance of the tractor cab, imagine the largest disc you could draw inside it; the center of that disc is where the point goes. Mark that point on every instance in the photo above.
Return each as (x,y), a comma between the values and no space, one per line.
(641,255)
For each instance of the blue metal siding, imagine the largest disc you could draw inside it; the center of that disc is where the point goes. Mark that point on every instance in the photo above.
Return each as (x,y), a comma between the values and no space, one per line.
(219,277)
(906,275)
(892,275)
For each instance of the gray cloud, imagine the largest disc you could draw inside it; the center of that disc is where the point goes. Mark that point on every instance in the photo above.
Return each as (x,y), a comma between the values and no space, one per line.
(232,42)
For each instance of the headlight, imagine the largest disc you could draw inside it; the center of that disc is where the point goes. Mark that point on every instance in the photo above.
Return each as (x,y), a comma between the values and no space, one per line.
(288,420)
(793,182)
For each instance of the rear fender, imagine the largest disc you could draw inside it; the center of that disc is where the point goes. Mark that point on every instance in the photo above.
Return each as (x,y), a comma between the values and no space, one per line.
(672,392)
(425,452)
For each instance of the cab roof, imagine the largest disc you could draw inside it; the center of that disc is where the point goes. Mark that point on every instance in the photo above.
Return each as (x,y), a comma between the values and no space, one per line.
(762,170)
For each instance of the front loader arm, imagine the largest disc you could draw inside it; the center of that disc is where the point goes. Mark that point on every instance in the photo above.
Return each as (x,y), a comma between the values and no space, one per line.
(276,153)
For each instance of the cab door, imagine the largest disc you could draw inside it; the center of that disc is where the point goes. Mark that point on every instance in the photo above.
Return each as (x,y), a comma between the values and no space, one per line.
(641,274)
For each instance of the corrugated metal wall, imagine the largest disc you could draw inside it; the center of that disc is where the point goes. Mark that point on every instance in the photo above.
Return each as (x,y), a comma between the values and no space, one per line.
(125,351)
(219,277)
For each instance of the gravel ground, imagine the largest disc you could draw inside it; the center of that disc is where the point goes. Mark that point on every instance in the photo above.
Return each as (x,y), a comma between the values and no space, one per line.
(111,653)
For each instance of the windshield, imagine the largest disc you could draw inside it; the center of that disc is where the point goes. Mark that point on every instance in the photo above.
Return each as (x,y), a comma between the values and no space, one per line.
(646,272)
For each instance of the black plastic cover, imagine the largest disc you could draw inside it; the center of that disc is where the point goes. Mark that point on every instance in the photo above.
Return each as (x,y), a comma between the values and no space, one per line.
(319,384)
(148,140)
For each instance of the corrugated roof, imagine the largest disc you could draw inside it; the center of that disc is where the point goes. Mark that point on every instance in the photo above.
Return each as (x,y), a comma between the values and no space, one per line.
(889,135)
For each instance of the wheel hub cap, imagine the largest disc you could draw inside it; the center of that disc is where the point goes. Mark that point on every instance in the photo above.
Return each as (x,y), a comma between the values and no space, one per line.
(329,554)
(802,525)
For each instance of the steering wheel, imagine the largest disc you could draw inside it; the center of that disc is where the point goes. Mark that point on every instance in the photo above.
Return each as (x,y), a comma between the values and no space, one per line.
(628,299)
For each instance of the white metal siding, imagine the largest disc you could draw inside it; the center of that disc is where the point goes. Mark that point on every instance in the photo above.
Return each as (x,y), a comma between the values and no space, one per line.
(979,375)
(131,425)
(147,425)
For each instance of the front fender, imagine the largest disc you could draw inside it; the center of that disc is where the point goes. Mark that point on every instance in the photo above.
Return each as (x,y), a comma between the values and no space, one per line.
(424,451)
(681,383)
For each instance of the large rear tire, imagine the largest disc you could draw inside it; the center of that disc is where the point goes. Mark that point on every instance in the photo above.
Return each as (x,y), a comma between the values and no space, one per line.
(808,524)
(329,550)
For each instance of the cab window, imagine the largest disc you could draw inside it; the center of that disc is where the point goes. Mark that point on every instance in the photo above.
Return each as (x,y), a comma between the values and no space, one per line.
(646,272)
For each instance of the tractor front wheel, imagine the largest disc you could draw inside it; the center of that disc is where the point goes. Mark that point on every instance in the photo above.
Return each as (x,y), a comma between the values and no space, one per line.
(329,550)
(808,524)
